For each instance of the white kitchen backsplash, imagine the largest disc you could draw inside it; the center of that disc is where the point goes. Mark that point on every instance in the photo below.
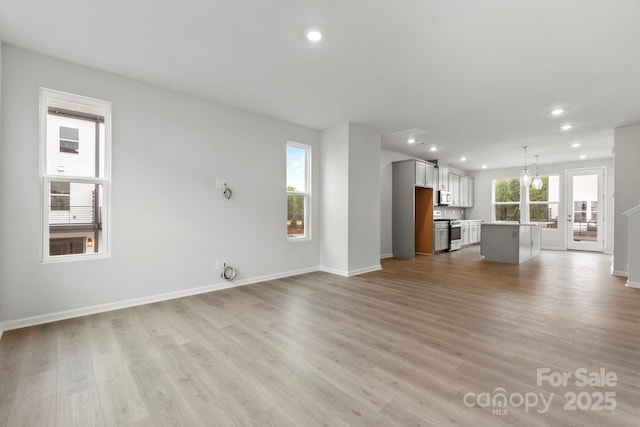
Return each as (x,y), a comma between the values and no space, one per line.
(450,213)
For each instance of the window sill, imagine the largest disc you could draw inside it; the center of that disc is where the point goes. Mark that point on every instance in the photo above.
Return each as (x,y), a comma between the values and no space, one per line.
(72,258)
(298,239)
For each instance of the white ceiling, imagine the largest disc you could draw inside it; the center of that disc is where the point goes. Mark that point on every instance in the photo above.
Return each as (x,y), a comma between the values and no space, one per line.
(480,77)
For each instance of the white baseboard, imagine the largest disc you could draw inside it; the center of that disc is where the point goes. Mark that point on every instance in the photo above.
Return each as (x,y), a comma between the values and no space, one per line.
(101,308)
(631,284)
(383,256)
(335,271)
(350,273)
(365,270)
(621,273)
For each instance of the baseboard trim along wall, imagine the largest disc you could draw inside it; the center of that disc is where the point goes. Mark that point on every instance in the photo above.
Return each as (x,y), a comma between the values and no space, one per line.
(384,256)
(620,273)
(350,273)
(631,284)
(95,309)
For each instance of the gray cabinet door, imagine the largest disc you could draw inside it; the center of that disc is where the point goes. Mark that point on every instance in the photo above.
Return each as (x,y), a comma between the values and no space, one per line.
(464,191)
(430,175)
(454,188)
(443,178)
(421,174)
(441,237)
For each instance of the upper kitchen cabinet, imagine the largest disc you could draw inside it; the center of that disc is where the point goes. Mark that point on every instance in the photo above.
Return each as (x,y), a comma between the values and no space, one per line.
(443,178)
(461,189)
(454,189)
(424,174)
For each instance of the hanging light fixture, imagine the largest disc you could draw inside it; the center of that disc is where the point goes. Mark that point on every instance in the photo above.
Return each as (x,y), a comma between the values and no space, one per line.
(525,177)
(536,183)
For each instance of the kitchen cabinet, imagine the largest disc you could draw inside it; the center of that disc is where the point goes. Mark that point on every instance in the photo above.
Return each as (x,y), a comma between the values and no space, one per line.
(510,243)
(424,174)
(421,174)
(454,188)
(441,239)
(412,208)
(474,232)
(464,192)
(443,178)
(464,228)
(461,187)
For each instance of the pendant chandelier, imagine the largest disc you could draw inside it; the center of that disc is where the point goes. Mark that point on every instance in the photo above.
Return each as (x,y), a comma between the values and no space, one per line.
(525,177)
(536,183)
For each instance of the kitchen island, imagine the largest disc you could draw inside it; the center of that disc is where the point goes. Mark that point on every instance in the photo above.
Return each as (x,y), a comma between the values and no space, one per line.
(510,242)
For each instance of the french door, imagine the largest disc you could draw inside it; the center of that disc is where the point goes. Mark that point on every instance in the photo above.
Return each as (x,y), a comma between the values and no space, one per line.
(585,209)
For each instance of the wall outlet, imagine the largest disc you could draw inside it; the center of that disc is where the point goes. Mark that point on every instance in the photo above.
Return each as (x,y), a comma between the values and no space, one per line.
(218,183)
(218,264)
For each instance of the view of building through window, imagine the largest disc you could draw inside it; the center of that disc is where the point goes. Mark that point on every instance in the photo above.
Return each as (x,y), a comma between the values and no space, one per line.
(74,176)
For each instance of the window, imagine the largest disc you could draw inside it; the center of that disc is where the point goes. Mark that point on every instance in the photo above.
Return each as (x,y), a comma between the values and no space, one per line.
(69,140)
(75,188)
(60,198)
(544,203)
(506,199)
(298,191)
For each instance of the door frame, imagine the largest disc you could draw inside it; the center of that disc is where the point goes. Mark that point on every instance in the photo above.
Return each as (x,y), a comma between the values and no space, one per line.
(601,171)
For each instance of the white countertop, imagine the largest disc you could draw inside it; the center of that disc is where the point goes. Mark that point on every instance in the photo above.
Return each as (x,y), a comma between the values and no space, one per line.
(514,223)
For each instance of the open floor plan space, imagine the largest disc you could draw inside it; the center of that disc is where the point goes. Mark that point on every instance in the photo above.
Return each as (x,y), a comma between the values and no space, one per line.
(437,340)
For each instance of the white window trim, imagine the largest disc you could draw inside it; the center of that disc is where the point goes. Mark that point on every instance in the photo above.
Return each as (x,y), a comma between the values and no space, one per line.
(523,204)
(306,194)
(493,199)
(45,188)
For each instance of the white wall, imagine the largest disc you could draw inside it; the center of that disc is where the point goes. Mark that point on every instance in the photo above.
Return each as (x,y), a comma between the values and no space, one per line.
(2,212)
(350,200)
(551,239)
(364,199)
(168,150)
(387,157)
(334,241)
(627,185)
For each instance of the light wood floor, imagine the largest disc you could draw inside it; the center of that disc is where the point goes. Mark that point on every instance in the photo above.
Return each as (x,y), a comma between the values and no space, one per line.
(402,346)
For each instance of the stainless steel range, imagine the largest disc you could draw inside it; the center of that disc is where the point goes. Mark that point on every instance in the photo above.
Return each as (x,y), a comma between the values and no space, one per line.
(455,235)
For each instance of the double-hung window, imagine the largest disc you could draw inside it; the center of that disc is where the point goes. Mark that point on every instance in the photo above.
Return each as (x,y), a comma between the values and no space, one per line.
(75,168)
(545,202)
(298,191)
(542,205)
(506,199)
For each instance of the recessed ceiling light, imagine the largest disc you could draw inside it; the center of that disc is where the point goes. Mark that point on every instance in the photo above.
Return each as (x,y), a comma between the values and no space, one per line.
(463,159)
(575,145)
(411,140)
(557,111)
(434,148)
(484,166)
(566,127)
(314,35)
(583,156)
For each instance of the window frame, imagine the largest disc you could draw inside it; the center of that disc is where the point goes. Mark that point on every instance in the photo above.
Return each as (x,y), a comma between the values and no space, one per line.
(494,203)
(67,140)
(46,179)
(530,203)
(306,194)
